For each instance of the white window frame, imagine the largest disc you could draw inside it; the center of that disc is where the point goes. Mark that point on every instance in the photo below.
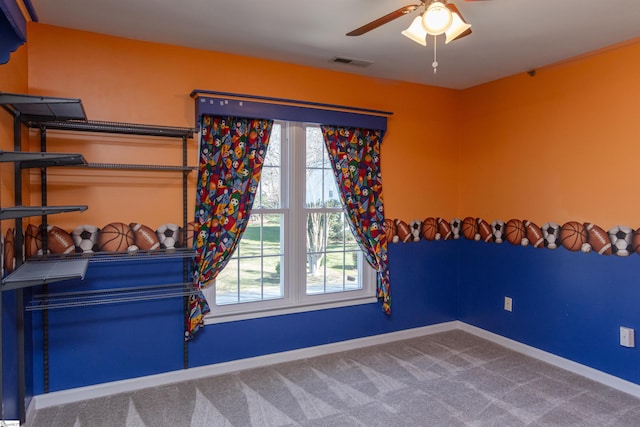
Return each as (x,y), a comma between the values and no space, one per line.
(293,278)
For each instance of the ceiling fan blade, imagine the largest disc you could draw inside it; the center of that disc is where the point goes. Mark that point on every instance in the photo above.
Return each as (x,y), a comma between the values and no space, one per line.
(383,20)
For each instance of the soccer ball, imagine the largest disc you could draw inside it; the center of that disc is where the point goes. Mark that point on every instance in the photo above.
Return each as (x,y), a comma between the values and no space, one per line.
(551,235)
(621,237)
(85,238)
(456,225)
(497,230)
(415,226)
(168,236)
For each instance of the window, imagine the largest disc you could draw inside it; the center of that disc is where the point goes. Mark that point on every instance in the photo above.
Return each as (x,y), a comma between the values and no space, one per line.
(298,251)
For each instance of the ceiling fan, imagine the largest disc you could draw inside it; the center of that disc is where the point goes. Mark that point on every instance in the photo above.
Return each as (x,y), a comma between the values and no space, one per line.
(439,17)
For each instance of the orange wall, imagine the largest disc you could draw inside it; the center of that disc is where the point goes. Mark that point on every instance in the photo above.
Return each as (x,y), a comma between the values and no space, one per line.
(125,80)
(555,147)
(13,79)
(559,146)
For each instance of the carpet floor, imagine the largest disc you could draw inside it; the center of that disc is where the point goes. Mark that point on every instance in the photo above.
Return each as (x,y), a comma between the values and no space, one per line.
(445,379)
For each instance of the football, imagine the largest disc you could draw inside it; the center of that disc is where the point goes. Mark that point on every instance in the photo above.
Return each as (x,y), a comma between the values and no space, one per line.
(415,226)
(534,234)
(144,237)
(85,238)
(598,239)
(430,229)
(403,231)
(497,230)
(59,241)
(514,231)
(550,235)
(444,229)
(168,236)
(484,230)
(470,228)
(573,235)
(456,227)
(621,238)
(8,251)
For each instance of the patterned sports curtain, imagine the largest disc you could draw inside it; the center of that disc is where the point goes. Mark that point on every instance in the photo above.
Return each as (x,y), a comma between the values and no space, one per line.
(355,158)
(232,152)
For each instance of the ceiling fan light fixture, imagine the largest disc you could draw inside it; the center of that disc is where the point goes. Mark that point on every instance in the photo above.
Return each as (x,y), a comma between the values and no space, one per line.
(437,19)
(459,27)
(416,32)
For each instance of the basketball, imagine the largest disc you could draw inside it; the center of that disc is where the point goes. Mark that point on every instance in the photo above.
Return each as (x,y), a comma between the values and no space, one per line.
(115,237)
(192,229)
(635,241)
(32,241)
(389,229)
(429,229)
(573,235)
(469,228)
(514,231)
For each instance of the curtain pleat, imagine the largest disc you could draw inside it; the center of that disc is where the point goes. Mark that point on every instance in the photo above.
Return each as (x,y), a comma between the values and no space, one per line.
(232,151)
(355,158)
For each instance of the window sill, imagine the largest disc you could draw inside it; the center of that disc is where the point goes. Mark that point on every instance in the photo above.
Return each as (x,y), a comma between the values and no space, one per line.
(212,318)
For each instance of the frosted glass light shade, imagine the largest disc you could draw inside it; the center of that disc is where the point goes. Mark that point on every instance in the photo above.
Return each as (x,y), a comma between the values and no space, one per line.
(437,19)
(416,32)
(457,28)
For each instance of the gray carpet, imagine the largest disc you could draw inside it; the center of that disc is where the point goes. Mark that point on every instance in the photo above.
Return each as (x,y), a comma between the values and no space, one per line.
(447,379)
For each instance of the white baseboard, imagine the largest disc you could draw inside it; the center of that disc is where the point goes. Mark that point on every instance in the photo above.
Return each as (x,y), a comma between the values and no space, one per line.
(100,390)
(566,364)
(105,389)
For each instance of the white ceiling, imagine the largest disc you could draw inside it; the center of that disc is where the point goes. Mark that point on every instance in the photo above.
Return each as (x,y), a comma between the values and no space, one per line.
(509,36)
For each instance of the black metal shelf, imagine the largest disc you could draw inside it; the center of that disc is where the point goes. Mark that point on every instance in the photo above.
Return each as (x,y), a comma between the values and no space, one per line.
(102,257)
(34,108)
(58,300)
(126,166)
(114,127)
(29,159)
(44,272)
(26,211)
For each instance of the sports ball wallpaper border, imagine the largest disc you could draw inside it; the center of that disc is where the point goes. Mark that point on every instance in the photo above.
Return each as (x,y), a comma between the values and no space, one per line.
(620,240)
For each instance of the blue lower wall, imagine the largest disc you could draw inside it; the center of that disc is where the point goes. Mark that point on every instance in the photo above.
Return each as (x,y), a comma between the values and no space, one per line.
(422,292)
(9,356)
(101,343)
(569,304)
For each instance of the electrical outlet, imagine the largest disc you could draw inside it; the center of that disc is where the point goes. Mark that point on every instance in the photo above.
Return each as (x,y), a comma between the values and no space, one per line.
(627,338)
(508,304)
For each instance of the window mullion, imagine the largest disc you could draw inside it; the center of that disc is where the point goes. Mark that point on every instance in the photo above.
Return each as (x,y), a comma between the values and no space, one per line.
(297,254)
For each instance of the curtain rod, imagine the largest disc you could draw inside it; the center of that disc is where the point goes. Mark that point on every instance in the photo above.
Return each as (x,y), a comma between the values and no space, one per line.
(194,94)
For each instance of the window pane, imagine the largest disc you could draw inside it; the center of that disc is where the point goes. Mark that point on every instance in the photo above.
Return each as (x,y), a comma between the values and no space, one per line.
(271,234)
(227,284)
(315,150)
(273,150)
(342,271)
(269,190)
(253,274)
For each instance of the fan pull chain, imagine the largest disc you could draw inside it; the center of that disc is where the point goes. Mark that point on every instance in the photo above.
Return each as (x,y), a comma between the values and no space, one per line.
(435,55)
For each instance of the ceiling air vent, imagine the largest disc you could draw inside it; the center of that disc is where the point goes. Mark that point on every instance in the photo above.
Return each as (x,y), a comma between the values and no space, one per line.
(351,61)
